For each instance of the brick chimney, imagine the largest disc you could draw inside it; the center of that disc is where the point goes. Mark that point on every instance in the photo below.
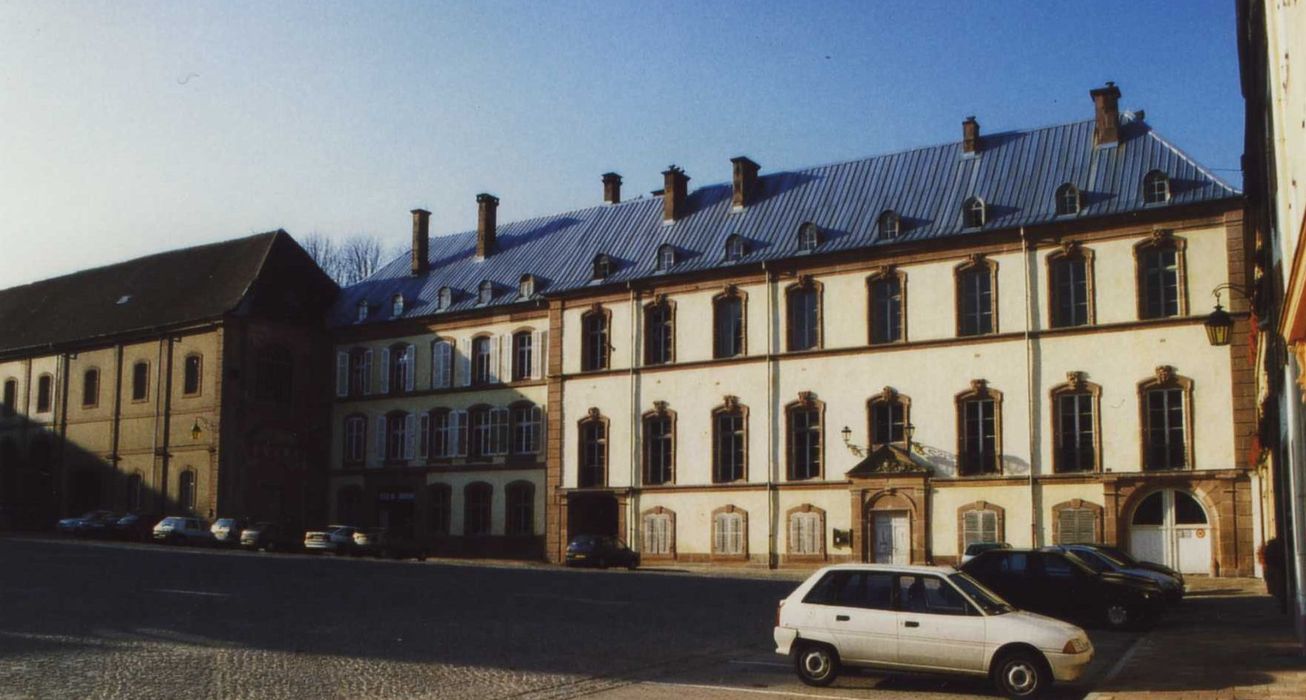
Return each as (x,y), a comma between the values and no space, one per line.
(486,224)
(1106,114)
(970,137)
(611,188)
(421,240)
(675,190)
(745,182)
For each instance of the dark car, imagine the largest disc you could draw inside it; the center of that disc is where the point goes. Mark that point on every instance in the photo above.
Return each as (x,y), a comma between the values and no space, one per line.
(271,537)
(1100,561)
(226,531)
(1061,586)
(91,524)
(601,551)
(977,548)
(388,544)
(134,527)
(1133,561)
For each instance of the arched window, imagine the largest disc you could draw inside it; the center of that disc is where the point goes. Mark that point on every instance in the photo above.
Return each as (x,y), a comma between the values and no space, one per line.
(736,248)
(1070,286)
(355,439)
(889,414)
(1076,425)
(977,299)
(659,446)
(526,287)
(728,324)
(659,332)
(594,339)
(806,529)
(275,375)
(477,503)
(659,533)
(523,352)
(1165,402)
(887,302)
(1067,200)
(593,451)
(397,305)
(806,419)
(443,299)
(186,490)
(44,394)
(362,310)
(91,388)
(666,258)
(979,439)
(485,292)
(1156,187)
(520,508)
(1077,522)
(192,366)
(803,314)
(400,364)
(438,508)
(809,237)
(730,442)
(482,354)
(602,266)
(890,224)
(730,532)
(974,213)
(441,364)
(360,371)
(980,523)
(140,381)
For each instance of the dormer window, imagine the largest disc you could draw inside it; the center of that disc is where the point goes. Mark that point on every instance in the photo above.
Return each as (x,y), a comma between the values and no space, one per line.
(443,299)
(890,224)
(974,213)
(1067,200)
(666,258)
(485,293)
(526,287)
(602,266)
(809,237)
(735,249)
(362,311)
(397,305)
(1156,188)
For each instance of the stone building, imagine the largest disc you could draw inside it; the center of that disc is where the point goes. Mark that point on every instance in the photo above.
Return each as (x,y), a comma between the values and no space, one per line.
(182,382)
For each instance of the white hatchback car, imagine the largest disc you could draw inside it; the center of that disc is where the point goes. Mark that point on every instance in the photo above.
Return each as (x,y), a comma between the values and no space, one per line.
(923,618)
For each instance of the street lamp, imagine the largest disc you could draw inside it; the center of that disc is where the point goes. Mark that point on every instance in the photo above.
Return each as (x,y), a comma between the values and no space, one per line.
(908,431)
(1219,325)
(195,428)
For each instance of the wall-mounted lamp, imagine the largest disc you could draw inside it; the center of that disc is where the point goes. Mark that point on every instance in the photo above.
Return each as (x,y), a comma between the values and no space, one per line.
(197,428)
(1219,325)
(908,431)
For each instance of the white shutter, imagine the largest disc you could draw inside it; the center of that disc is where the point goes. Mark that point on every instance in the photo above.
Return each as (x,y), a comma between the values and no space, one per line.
(496,358)
(537,354)
(410,367)
(537,419)
(367,371)
(464,361)
(410,433)
(424,437)
(457,433)
(379,444)
(440,364)
(498,431)
(506,358)
(385,370)
(342,374)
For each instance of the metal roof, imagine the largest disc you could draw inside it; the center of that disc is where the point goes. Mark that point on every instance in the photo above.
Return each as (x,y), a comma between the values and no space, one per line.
(1016,174)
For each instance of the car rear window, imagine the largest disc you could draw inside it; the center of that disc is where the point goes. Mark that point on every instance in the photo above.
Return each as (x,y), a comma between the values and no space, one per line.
(855,589)
(930,594)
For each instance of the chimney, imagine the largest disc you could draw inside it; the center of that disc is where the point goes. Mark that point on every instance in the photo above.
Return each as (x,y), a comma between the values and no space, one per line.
(1106,109)
(611,188)
(485,224)
(745,182)
(421,240)
(970,138)
(676,187)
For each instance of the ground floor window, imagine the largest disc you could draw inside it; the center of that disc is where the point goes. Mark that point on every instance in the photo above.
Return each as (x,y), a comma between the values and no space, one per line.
(438,497)
(476,509)
(979,526)
(806,533)
(1076,525)
(521,508)
(659,533)
(728,533)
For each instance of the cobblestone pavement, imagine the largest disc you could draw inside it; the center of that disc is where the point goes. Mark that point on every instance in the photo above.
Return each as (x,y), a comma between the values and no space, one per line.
(101,620)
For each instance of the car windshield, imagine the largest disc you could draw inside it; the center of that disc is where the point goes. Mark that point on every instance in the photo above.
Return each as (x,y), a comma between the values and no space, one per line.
(1112,561)
(225,522)
(1089,560)
(1119,555)
(987,600)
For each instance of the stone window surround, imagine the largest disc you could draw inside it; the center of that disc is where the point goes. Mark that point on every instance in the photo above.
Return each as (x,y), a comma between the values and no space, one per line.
(587,362)
(199,374)
(92,401)
(731,292)
(488,489)
(980,389)
(660,410)
(1076,384)
(887,395)
(805,283)
(1000,528)
(593,416)
(743,534)
(1077,504)
(730,404)
(1070,250)
(515,488)
(806,400)
(790,555)
(344,451)
(671,533)
(974,261)
(1160,239)
(1166,378)
(884,273)
(669,305)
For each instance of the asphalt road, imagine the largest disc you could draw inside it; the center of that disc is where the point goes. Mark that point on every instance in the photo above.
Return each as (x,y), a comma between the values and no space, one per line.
(101,620)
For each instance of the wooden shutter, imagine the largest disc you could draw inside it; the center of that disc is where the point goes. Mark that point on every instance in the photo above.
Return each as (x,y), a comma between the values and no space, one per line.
(537,434)
(537,354)
(496,359)
(385,370)
(441,364)
(410,367)
(410,432)
(379,452)
(367,371)
(1077,525)
(342,374)
(463,362)
(458,433)
(424,437)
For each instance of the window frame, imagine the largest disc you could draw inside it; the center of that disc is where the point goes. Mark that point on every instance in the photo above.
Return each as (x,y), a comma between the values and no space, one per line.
(187,490)
(191,387)
(522,342)
(1166,379)
(669,517)
(1150,190)
(482,360)
(979,391)
(9,398)
(484,293)
(734,410)
(396,435)
(346,455)
(1076,385)
(873,280)
(44,393)
(806,403)
(443,299)
(665,259)
(805,285)
(660,332)
(720,553)
(140,389)
(1000,522)
(91,387)
(483,511)
(590,361)
(736,247)
(974,213)
(809,237)
(887,398)
(1068,200)
(809,512)
(601,267)
(593,421)
(731,294)
(977,265)
(1068,253)
(519,509)
(1079,505)
(650,442)
(1159,242)
(439,509)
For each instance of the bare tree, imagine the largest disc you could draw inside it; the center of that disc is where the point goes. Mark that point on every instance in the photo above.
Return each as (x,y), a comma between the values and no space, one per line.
(349,262)
(325,253)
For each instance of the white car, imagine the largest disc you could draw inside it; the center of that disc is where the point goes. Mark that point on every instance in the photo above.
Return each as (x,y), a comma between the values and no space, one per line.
(335,538)
(179,530)
(923,618)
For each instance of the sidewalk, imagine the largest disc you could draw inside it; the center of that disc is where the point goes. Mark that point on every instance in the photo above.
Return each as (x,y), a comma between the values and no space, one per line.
(1226,640)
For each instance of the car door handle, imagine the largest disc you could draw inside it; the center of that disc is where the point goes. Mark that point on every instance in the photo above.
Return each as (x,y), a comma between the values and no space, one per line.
(911,623)
(840,618)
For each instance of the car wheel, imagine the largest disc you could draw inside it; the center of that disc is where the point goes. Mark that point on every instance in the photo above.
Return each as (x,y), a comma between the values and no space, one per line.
(816,664)
(1119,616)
(1021,674)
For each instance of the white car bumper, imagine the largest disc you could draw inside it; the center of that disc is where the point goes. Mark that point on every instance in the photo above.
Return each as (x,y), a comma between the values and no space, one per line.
(1068,667)
(784,639)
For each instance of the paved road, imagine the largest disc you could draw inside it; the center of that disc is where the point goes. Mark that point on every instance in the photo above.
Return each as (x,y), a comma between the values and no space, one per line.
(101,620)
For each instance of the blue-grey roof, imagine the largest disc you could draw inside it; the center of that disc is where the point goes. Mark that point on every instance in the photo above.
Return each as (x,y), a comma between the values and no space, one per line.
(1015,173)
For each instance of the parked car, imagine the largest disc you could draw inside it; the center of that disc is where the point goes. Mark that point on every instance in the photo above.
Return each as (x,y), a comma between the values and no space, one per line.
(338,539)
(183,531)
(1135,562)
(1100,561)
(601,551)
(977,548)
(271,537)
(1061,586)
(86,524)
(923,619)
(226,531)
(388,544)
(133,527)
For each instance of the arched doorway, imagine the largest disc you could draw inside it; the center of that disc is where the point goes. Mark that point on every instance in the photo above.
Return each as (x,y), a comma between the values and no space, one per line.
(1171,527)
(592,514)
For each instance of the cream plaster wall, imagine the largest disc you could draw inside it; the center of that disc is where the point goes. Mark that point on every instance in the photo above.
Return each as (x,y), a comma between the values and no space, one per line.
(1285,26)
(1013,498)
(694,517)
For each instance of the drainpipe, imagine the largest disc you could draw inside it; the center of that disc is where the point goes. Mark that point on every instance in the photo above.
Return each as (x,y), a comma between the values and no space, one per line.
(633,529)
(61,381)
(1035,509)
(771,494)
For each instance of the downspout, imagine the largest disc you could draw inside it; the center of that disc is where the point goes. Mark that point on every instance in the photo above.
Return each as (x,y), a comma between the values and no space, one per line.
(771,495)
(115,428)
(633,531)
(61,380)
(1035,534)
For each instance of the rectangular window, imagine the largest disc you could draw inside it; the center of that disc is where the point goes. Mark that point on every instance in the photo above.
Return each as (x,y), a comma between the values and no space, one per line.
(979,526)
(526,430)
(657,534)
(481,360)
(976,300)
(140,381)
(887,423)
(729,453)
(522,349)
(91,388)
(441,364)
(805,534)
(1166,444)
(595,356)
(804,319)
(804,443)
(498,432)
(594,454)
(440,434)
(658,446)
(1077,525)
(728,535)
(360,372)
(728,327)
(191,375)
(979,437)
(1076,444)
(10,398)
(44,394)
(886,310)
(1069,292)
(1160,282)
(355,438)
(395,437)
(658,334)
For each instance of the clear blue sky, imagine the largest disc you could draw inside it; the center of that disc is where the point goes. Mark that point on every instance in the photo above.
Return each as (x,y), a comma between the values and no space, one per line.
(127,128)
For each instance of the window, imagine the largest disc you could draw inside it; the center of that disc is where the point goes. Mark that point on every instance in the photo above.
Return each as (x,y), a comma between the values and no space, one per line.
(976,301)
(1165,434)
(659,447)
(190,384)
(736,248)
(481,357)
(521,508)
(526,287)
(594,351)
(476,508)
(90,388)
(659,333)
(44,393)
(729,533)
(355,438)
(728,325)
(134,491)
(885,301)
(602,267)
(485,293)
(186,490)
(400,368)
(441,364)
(803,302)
(362,311)
(1160,262)
(275,375)
(360,371)
(887,413)
(805,448)
(438,504)
(974,214)
(1075,425)
(807,532)
(730,443)
(399,434)
(10,398)
(489,431)
(593,451)
(889,224)
(854,589)
(526,427)
(1068,201)
(140,381)
(979,526)
(978,416)
(349,502)
(443,299)
(666,258)
(522,349)
(440,438)
(809,237)
(397,305)
(1076,526)
(930,595)
(1156,188)
(659,528)
(1070,274)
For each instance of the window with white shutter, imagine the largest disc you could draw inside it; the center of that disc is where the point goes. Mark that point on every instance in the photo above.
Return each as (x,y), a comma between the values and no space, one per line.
(728,537)
(538,352)
(385,370)
(441,364)
(342,374)
(980,526)
(410,366)
(367,371)
(424,437)
(805,534)
(498,431)
(440,436)
(378,453)
(355,438)
(463,362)
(410,432)
(1077,525)
(494,361)
(458,433)
(659,536)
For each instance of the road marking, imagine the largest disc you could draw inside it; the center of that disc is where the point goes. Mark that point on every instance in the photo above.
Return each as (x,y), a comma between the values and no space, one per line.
(179,591)
(1117,668)
(587,601)
(777,664)
(755,691)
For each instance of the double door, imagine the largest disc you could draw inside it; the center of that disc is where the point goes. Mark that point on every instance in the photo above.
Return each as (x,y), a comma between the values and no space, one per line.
(892,538)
